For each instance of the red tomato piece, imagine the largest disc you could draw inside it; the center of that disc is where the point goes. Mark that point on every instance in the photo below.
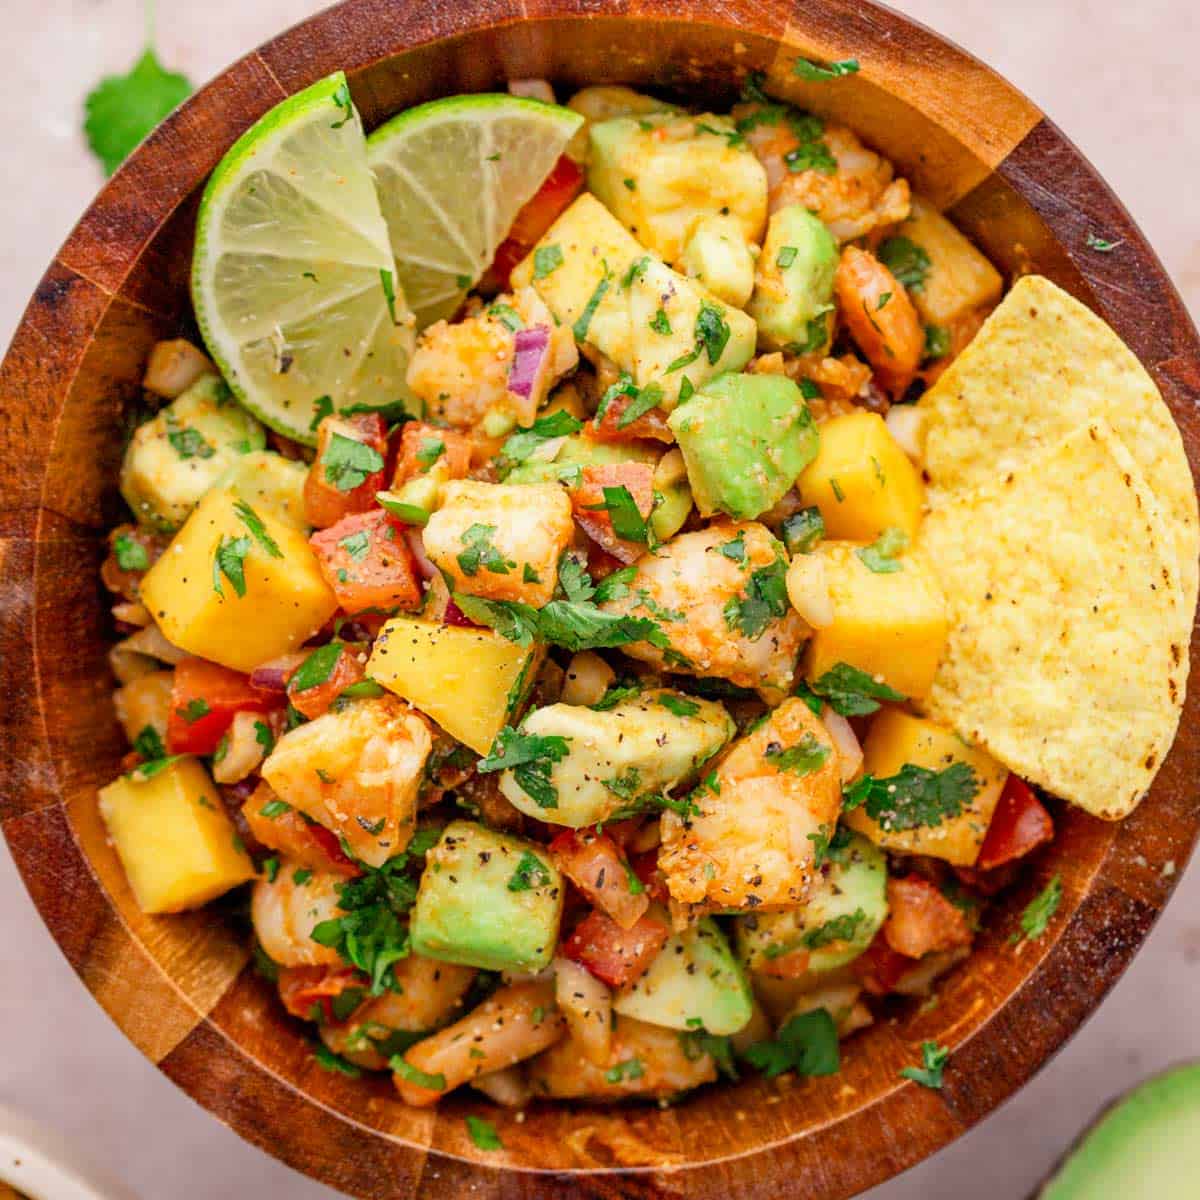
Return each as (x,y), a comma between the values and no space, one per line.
(587,500)
(366,560)
(645,867)
(614,955)
(303,988)
(424,447)
(538,213)
(345,671)
(880,967)
(592,862)
(1019,825)
(343,480)
(921,920)
(204,699)
(608,428)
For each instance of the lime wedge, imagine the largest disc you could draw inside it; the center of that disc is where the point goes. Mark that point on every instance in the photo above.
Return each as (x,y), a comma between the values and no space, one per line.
(452,176)
(293,276)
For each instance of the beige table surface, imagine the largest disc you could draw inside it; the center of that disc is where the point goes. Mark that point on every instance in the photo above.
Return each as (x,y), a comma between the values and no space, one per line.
(1121,79)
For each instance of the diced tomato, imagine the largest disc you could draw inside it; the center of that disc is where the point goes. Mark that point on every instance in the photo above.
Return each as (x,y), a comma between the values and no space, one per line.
(645,867)
(426,447)
(304,988)
(558,189)
(342,480)
(1019,824)
(302,840)
(600,563)
(614,955)
(608,428)
(880,967)
(367,562)
(921,920)
(204,699)
(125,581)
(599,870)
(587,500)
(346,670)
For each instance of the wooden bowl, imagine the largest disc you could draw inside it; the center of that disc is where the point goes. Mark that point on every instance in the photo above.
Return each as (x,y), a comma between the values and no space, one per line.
(179,987)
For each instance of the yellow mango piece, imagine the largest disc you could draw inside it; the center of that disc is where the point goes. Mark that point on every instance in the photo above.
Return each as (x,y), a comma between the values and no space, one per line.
(177,846)
(467,680)
(861,480)
(286,600)
(892,626)
(897,737)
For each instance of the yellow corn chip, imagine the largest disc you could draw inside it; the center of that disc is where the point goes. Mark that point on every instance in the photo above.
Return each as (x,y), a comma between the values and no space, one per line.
(1067,653)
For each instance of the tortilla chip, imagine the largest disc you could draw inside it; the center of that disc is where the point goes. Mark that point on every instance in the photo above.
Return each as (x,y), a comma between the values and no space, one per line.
(1042,366)
(1067,653)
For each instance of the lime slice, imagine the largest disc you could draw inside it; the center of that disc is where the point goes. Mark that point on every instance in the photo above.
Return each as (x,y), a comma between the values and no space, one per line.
(452,176)
(293,276)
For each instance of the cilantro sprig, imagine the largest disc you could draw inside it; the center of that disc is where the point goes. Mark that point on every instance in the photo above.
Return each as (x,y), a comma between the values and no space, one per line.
(848,691)
(531,758)
(915,797)
(807,1044)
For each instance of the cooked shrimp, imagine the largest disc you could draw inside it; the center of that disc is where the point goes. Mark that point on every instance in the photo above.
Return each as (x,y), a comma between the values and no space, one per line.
(284,914)
(644,1060)
(689,575)
(751,845)
(855,198)
(880,316)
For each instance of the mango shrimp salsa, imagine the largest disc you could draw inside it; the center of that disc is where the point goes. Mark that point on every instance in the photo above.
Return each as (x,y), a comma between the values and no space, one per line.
(624,587)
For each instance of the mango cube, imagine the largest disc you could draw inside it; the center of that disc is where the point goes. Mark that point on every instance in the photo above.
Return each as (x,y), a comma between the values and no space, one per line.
(177,846)
(468,680)
(896,738)
(201,608)
(861,480)
(891,625)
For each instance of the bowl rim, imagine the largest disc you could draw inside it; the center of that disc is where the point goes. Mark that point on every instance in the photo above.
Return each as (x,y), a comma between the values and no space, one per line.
(1068,976)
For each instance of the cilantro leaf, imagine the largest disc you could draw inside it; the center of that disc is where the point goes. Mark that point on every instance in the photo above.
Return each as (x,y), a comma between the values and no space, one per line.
(933,1058)
(803,530)
(851,692)
(194,709)
(483,1133)
(187,442)
(531,759)
(915,797)
(630,1068)
(481,552)
(546,260)
(328,1061)
(526,440)
(410,1074)
(698,1042)
(584,320)
(575,580)
(1039,911)
(149,744)
(510,618)
(616,694)
(121,109)
(131,555)
(530,873)
(645,401)
(679,705)
(253,522)
(1100,244)
(880,555)
(907,261)
(616,585)
(830,848)
(840,929)
(712,332)
(807,1044)
(764,599)
(586,627)
(316,668)
(430,451)
(815,72)
(805,757)
(937,341)
(229,560)
(627,520)
(348,463)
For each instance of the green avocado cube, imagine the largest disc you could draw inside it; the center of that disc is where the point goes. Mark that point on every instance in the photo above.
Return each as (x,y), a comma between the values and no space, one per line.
(745,439)
(487,900)
(794,286)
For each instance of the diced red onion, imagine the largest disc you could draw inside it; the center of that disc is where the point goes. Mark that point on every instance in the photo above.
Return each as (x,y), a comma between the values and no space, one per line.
(529,374)
(416,543)
(455,616)
(273,676)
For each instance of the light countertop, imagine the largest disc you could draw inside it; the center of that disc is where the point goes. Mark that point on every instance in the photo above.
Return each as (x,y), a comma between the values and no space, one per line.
(1120,79)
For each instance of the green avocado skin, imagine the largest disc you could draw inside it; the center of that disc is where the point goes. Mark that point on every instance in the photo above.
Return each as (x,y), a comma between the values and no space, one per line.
(745,440)
(478,908)
(1146,1146)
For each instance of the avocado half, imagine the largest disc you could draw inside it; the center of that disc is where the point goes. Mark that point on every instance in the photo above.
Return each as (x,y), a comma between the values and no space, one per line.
(1146,1144)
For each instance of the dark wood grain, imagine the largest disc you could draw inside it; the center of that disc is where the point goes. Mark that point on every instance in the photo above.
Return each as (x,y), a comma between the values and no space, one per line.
(178,986)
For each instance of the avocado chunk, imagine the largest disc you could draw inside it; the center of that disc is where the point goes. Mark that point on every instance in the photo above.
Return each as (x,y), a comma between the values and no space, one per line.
(487,900)
(173,459)
(718,256)
(693,983)
(575,453)
(660,172)
(794,284)
(847,908)
(665,331)
(1143,1145)
(618,758)
(745,439)
(267,480)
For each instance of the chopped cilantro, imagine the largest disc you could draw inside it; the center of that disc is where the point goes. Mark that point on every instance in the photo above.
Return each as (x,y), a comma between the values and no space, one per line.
(481,552)
(229,560)
(507,316)
(546,260)
(630,1068)
(1101,245)
(253,522)
(584,320)
(149,745)
(525,441)
(785,257)
(430,451)
(188,442)
(661,323)
(915,797)
(764,600)
(880,555)
(531,872)
(933,1059)
(806,1043)
(195,708)
(483,1133)
(815,72)
(805,757)
(1039,911)
(130,553)
(316,668)
(803,530)
(937,341)
(322,408)
(828,848)
(851,692)
(264,737)
(388,282)
(531,759)
(678,705)
(907,261)
(615,586)
(356,545)
(816,334)
(348,463)
(410,1074)
(616,694)
(840,929)
(627,520)
(735,548)
(650,397)
(274,809)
